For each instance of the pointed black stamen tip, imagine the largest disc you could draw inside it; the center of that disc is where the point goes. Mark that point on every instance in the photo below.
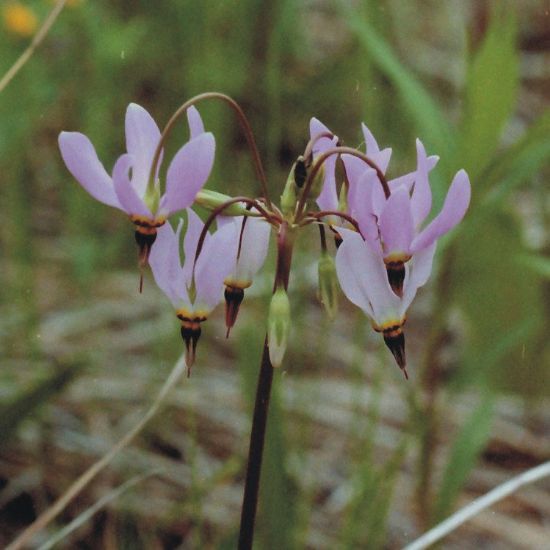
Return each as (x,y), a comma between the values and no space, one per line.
(395,340)
(190,333)
(144,241)
(396,276)
(338,240)
(233,299)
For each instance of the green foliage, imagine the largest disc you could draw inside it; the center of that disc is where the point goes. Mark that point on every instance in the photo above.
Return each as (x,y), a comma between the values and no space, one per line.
(490,95)
(466,448)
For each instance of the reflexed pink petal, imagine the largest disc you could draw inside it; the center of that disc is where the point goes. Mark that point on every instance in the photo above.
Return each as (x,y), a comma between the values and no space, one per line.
(328,198)
(124,190)
(454,208)
(142,137)
(360,207)
(407,180)
(355,168)
(165,264)
(421,200)
(81,160)
(380,157)
(418,273)
(196,127)
(316,127)
(190,242)
(187,173)
(254,247)
(350,270)
(213,266)
(396,224)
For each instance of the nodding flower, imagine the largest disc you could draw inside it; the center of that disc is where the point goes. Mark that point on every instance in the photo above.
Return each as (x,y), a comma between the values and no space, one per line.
(363,278)
(249,253)
(130,189)
(194,289)
(393,226)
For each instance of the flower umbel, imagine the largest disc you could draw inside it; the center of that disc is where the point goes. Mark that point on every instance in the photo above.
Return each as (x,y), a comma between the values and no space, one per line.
(129,189)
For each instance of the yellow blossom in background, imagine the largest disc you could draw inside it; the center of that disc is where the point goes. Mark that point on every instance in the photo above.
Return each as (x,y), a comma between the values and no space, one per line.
(19,19)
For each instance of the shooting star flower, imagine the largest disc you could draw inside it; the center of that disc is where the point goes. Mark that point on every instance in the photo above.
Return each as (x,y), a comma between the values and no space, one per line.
(362,276)
(129,188)
(194,292)
(249,253)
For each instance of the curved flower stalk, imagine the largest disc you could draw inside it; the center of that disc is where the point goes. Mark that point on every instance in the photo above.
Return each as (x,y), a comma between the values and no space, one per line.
(393,226)
(194,288)
(129,188)
(249,253)
(362,276)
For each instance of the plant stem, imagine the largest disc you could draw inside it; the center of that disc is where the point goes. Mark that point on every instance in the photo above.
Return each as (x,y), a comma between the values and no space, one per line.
(255,452)
(285,244)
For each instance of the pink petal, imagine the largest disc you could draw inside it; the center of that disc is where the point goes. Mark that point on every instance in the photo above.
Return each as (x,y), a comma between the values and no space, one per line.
(380,158)
(187,173)
(349,263)
(454,208)
(81,159)
(165,264)
(316,127)
(396,223)
(142,137)
(254,247)
(190,242)
(213,266)
(418,272)
(328,198)
(124,189)
(421,200)
(196,127)
(360,207)
(407,180)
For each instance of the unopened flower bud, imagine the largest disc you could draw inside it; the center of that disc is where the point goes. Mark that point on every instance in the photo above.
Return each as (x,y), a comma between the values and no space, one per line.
(288,198)
(212,199)
(278,326)
(317,184)
(328,284)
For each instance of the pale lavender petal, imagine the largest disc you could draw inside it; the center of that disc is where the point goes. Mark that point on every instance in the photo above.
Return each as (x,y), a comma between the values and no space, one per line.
(362,275)
(142,137)
(213,266)
(328,198)
(360,207)
(421,199)
(407,180)
(316,127)
(81,159)
(187,173)
(196,127)
(454,208)
(165,264)
(380,157)
(396,224)
(124,190)
(418,273)
(349,269)
(355,168)
(190,242)
(254,247)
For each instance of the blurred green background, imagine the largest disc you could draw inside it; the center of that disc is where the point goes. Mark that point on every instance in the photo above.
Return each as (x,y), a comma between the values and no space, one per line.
(357,457)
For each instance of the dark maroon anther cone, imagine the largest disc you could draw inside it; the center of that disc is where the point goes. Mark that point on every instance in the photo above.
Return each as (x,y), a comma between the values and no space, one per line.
(145,242)
(190,333)
(338,240)
(233,299)
(300,172)
(396,343)
(396,276)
